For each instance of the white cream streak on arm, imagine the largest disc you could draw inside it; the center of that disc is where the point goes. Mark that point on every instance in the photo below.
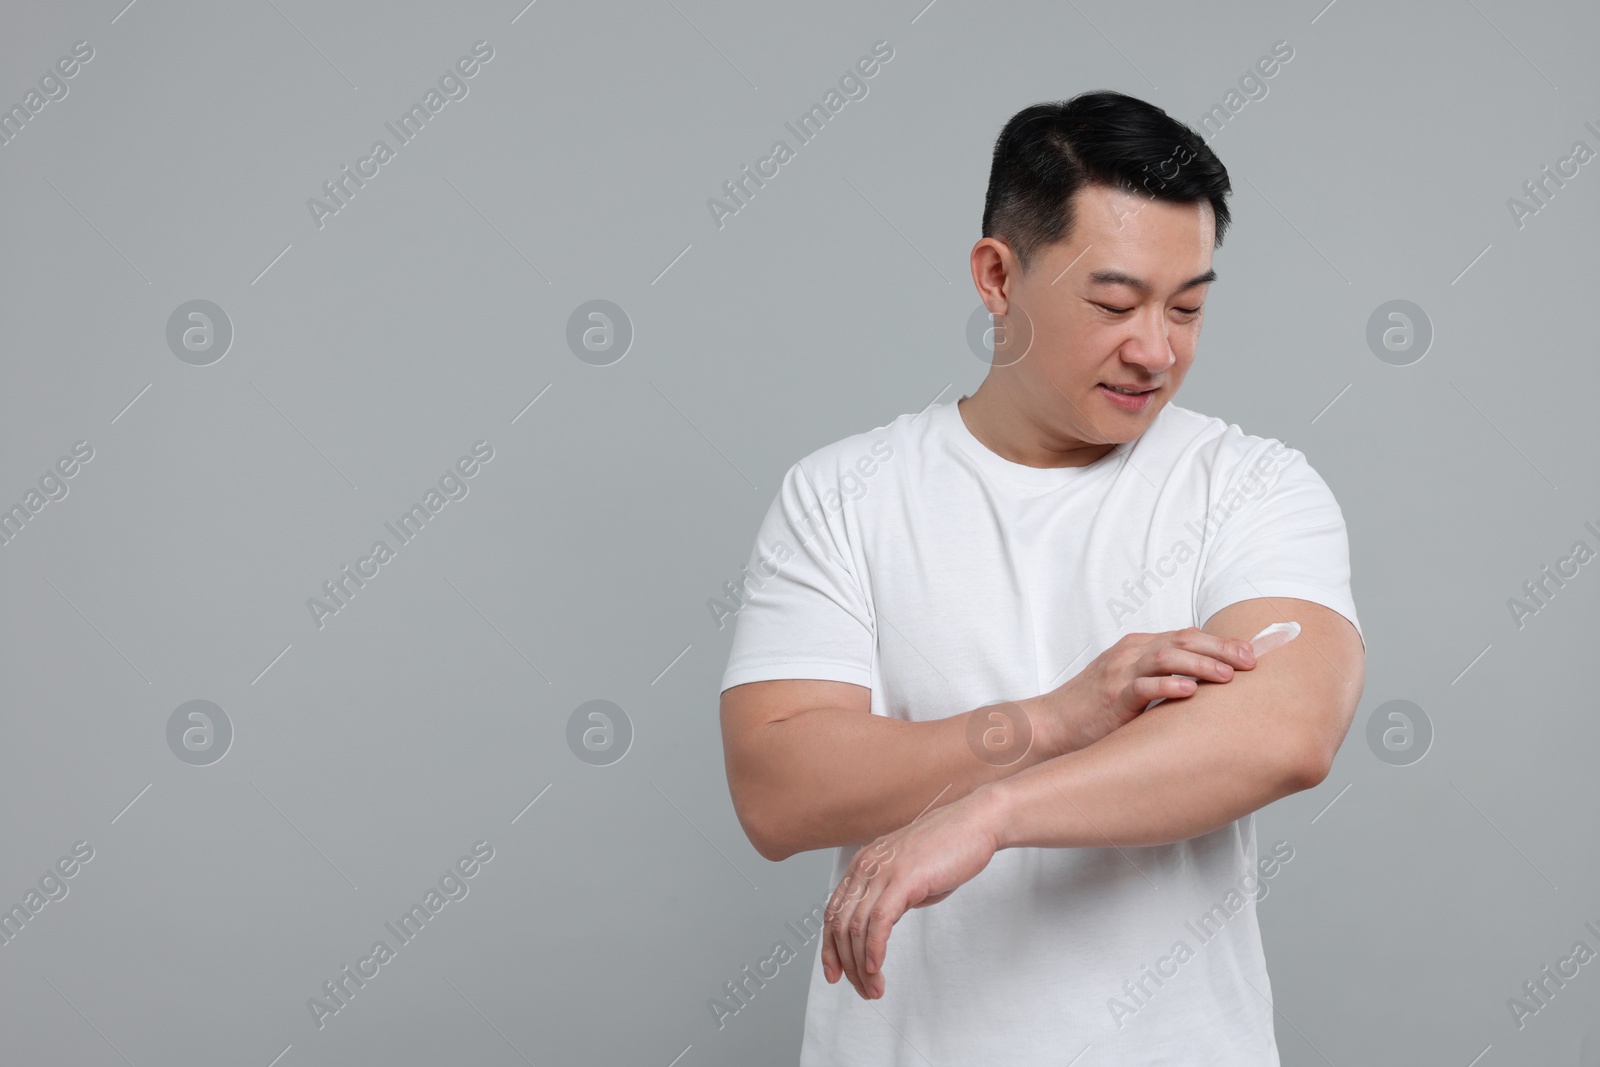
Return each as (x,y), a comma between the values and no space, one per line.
(1275,636)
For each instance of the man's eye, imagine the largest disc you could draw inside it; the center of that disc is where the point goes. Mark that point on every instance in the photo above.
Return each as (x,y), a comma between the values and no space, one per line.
(1124,311)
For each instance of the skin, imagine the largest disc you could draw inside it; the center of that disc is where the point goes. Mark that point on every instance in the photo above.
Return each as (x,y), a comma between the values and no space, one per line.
(1039,405)
(1181,769)
(808,765)
(1058,337)
(1118,301)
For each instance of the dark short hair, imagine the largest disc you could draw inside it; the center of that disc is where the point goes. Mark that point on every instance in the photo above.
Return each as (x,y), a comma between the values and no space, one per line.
(1049,151)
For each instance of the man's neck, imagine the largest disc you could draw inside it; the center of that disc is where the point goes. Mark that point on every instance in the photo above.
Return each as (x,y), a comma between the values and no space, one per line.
(1004,428)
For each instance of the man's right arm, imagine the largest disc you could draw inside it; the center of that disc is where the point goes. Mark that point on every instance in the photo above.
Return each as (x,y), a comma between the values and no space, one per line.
(809,766)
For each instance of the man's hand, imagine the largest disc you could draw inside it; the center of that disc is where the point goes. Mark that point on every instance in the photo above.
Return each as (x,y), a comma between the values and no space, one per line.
(936,853)
(1122,681)
(919,864)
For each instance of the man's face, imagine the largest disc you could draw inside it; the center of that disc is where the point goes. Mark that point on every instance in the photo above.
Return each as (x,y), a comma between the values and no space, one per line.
(1115,304)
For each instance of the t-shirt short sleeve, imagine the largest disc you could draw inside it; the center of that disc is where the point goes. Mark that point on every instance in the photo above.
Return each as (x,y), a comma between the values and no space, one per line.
(1279,532)
(803,613)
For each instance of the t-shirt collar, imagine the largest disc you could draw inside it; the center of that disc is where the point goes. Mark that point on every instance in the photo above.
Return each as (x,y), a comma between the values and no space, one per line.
(997,466)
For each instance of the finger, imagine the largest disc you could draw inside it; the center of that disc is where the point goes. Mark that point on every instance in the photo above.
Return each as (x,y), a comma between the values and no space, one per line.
(830,958)
(870,983)
(831,939)
(839,959)
(841,944)
(840,940)
(872,878)
(1234,650)
(1163,687)
(1173,659)
(876,922)
(886,911)
(858,931)
(830,950)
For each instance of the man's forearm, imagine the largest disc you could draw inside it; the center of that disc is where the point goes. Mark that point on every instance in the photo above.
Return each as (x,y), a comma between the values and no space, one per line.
(832,776)
(1181,769)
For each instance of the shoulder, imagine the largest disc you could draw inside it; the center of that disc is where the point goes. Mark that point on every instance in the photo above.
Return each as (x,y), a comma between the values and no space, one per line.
(1224,452)
(1208,436)
(847,465)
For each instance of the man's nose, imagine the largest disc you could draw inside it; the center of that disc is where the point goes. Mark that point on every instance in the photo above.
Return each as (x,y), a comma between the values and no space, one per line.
(1150,347)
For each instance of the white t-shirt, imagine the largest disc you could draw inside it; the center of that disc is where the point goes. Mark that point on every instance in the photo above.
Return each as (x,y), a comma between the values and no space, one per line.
(913,560)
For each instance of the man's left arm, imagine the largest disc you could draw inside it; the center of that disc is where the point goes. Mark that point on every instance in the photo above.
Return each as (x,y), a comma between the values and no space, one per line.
(1183,768)
(1187,767)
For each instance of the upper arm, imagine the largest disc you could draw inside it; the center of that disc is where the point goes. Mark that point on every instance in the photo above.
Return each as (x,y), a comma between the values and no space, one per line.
(803,640)
(1281,553)
(749,707)
(801,611)
(747,711)
(1282,536)
(1313,683)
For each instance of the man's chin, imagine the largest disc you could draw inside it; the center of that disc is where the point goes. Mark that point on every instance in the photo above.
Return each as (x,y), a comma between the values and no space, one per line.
(1119,425)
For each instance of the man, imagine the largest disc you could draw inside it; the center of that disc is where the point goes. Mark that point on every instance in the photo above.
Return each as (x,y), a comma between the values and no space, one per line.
(961,619)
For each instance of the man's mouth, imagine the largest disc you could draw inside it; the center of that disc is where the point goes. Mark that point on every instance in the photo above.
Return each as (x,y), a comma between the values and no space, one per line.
(1129,398)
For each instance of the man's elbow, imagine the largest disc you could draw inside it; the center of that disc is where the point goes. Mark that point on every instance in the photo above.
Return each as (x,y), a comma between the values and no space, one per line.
(776,853)
(769,845)
(1314,761)
(1327,723)
(759,828)
(1311,769)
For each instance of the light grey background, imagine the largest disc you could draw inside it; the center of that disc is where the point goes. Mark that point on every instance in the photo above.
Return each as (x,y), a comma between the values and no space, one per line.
(369,354)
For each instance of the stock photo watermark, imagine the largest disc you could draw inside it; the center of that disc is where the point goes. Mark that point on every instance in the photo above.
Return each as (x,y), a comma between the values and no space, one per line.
(742,988)
(199,733)
(52,88)
(453,485)
(1000,734)
(852,86)
(599,332)
(1181,155)
(1399,732)
(1538,592)
(453,85)
(599,732)
(1539,191)
(1000,340)
(53,887)
(1136,592)
(1253,84)
(340,990)
(1399,332)
(199,333)
(854,480)
(1140,990)
(739,989)
(52,486)
(1540,990)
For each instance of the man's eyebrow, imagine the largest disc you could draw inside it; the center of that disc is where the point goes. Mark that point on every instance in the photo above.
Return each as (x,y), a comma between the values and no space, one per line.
(1117,277)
